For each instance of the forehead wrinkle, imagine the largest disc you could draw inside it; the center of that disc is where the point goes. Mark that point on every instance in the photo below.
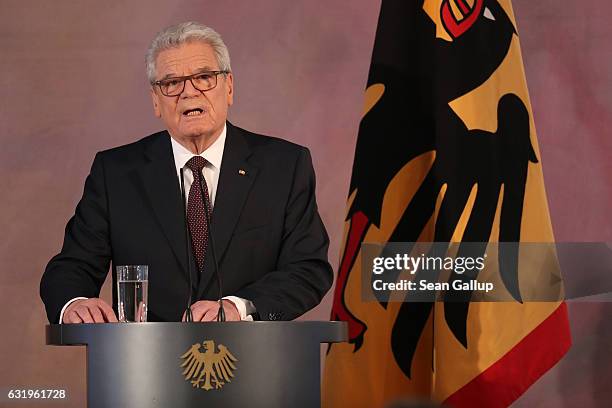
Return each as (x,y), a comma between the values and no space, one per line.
(177,66)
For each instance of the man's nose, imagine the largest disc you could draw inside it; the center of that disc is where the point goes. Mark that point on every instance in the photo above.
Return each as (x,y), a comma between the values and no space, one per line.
(189,90)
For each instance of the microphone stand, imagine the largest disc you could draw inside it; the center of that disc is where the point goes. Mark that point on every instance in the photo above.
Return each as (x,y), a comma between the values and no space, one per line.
(221,314)
(188,314)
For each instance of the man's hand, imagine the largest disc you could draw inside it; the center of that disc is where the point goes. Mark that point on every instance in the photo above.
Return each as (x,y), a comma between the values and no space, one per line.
(93,310)
(207,311)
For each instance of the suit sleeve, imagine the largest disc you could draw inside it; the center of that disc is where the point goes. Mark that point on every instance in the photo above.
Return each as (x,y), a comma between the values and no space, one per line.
(80,268)
(303,273)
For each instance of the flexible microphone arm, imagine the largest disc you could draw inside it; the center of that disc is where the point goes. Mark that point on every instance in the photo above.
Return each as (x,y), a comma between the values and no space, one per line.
(188,315)
(221,314)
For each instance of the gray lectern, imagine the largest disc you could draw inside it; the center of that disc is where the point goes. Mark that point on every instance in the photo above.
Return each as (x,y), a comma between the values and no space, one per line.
(233,364)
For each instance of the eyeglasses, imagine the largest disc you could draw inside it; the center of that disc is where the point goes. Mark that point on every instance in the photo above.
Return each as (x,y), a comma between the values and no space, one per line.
(202,81)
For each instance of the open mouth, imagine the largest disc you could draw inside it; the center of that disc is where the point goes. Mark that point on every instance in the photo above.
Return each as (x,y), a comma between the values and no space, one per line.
(193,112)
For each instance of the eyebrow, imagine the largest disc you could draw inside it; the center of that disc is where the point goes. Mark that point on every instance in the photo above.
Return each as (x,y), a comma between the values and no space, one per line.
(197,71)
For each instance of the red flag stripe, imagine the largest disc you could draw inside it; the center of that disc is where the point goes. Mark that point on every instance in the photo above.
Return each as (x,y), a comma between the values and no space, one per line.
(509,377)
(357,231)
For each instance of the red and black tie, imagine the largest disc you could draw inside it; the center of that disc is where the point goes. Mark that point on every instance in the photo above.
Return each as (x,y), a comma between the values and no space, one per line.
(198,207)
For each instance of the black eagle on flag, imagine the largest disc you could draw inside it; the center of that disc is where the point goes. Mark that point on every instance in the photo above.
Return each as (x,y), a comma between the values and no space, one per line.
(418,87)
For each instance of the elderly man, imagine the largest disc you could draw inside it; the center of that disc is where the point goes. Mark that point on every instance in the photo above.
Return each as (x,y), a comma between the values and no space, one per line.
(250,202)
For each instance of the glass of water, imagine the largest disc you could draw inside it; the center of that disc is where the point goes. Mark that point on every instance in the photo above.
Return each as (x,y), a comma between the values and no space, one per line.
(132,288)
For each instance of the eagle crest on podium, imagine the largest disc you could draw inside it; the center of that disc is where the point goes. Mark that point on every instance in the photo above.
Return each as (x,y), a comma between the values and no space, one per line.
(208,369)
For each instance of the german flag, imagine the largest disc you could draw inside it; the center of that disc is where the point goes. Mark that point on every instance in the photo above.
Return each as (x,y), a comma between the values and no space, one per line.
(447,152)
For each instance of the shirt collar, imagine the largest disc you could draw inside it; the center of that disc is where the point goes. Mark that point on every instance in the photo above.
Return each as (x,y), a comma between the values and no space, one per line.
(214,153)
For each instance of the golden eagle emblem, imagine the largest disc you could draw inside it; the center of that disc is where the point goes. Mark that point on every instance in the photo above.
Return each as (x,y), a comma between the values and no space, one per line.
(208,369)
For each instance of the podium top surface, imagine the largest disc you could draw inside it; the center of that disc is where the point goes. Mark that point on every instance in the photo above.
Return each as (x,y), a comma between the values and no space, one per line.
(80,334)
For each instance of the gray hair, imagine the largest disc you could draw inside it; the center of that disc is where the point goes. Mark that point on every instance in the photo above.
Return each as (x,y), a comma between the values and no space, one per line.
(176,35)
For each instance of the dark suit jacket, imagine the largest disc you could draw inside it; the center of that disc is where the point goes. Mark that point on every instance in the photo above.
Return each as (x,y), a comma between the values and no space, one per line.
(269,240)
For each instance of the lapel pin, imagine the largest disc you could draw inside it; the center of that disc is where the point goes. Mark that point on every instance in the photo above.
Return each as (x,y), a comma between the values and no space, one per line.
(242,172)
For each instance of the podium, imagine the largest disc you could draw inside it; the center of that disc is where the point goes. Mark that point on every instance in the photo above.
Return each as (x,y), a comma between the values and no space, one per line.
(231,364)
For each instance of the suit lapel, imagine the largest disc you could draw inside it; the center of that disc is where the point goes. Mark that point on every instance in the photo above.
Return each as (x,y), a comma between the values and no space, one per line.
(235,181)
(162,188)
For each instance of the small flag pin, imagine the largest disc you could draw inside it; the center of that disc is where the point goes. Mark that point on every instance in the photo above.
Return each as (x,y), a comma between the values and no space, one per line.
(242,172)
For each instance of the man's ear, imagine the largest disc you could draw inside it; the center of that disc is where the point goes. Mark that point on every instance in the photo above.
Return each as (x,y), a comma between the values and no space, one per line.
(229,80)
(155,99)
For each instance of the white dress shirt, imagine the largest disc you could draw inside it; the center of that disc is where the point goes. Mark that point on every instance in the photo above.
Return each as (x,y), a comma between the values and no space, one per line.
(214,156)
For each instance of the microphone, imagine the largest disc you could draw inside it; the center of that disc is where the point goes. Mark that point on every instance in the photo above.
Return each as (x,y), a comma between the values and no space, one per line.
(221,314)
(188,315)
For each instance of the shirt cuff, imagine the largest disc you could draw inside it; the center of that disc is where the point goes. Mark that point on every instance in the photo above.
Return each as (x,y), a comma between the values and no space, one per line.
(245,307)
(61,319)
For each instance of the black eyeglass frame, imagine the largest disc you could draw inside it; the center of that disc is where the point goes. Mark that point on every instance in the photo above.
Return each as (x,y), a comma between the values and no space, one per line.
(184,79)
